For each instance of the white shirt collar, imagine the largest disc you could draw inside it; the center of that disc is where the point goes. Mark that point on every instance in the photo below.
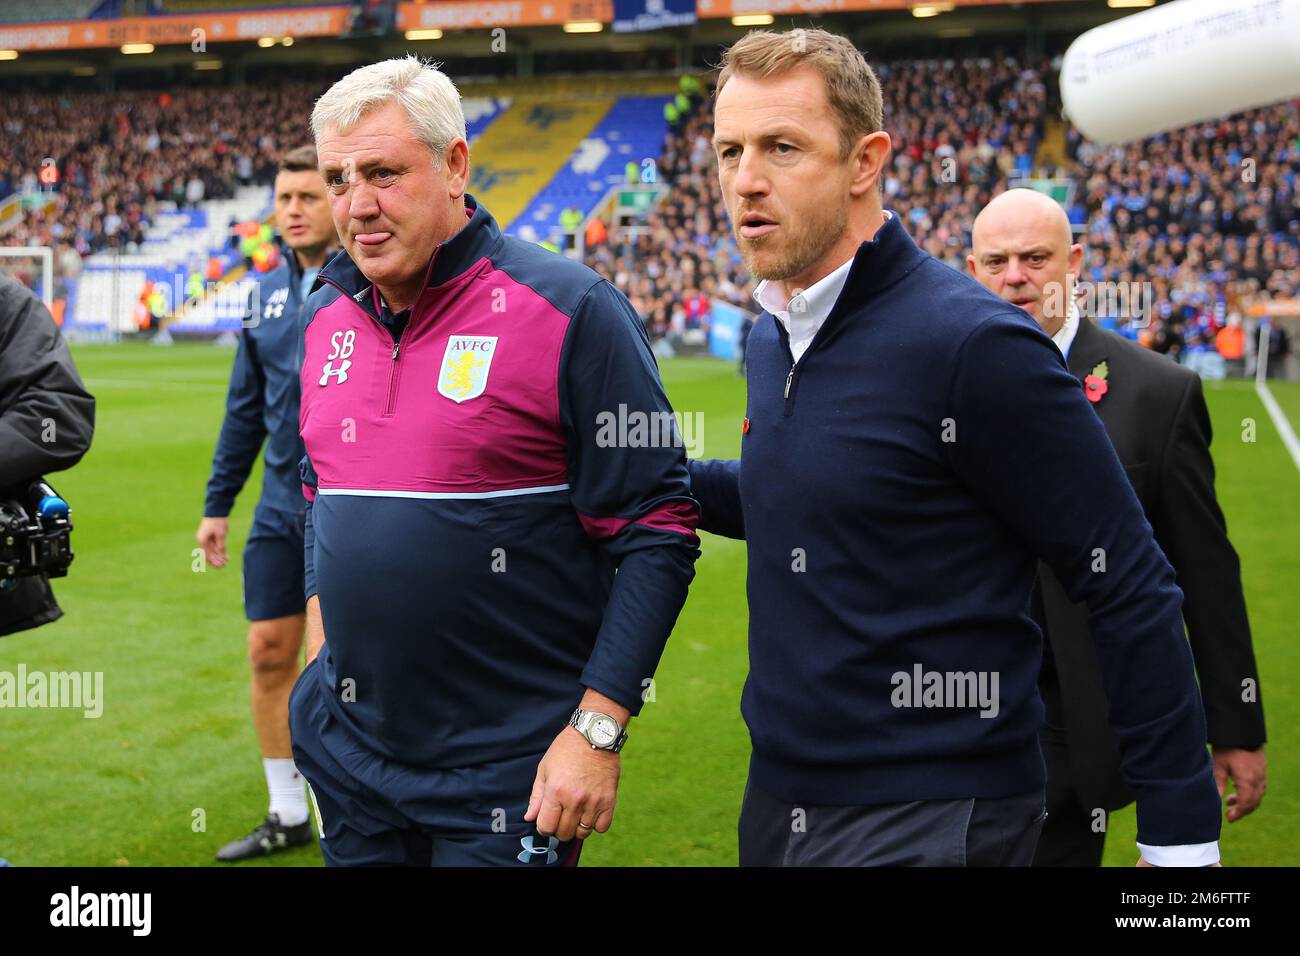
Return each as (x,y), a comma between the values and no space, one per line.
(803,314)
(1064,336)
(814,302)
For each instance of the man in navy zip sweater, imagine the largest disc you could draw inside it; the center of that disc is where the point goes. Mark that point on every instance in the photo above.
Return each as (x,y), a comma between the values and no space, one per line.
(912,446)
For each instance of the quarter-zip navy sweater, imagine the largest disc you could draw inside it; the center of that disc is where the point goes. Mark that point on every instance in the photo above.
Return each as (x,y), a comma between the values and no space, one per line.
(896,488)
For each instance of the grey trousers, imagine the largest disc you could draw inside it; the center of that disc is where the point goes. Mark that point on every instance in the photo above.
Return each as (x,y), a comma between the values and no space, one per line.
(977,831)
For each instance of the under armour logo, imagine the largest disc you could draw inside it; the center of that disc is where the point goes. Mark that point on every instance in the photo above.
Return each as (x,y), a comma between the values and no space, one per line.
(275,304)
(531,850)
(341,372)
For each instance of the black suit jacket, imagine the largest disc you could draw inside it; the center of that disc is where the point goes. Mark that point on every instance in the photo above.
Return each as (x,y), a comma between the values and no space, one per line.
(1155,414)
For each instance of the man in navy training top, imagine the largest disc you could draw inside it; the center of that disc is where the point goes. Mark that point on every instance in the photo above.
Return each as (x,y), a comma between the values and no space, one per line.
(262,408)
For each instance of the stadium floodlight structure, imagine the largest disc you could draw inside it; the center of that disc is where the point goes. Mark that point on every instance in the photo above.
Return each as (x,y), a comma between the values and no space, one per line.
(46,255)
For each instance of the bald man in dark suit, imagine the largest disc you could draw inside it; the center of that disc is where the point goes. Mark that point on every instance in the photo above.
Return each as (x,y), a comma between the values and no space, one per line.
(1156,417)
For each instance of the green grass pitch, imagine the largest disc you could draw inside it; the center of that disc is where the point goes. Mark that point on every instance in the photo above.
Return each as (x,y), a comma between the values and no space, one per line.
(171,771)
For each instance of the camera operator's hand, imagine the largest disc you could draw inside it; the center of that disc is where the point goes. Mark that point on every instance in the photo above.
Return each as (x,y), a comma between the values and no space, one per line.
(212,539)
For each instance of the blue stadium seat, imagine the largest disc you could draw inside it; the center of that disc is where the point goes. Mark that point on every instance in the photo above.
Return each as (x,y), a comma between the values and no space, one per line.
(633,129)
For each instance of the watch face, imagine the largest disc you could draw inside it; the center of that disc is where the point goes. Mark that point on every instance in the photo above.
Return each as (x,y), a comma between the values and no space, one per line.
(603,731)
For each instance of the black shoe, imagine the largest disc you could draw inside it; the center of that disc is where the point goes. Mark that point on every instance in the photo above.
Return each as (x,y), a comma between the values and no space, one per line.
(268,838)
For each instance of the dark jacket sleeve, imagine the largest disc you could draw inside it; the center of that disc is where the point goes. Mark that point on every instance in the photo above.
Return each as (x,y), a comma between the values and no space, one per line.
(46,415)
(1028,444)
(715,484)
(308,475)
(635,500)
(1190,526)
(242,432)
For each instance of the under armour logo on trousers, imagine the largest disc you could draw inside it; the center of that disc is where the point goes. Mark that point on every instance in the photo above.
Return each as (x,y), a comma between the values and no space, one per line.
(531,849)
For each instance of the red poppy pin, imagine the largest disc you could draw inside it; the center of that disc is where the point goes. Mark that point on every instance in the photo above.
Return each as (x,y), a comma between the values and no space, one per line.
(1095,385)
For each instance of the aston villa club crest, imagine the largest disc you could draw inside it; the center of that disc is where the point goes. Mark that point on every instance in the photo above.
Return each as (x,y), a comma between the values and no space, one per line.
(465,366)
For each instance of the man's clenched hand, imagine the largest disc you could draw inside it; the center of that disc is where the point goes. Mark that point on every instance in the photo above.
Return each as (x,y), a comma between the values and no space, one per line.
(576,783)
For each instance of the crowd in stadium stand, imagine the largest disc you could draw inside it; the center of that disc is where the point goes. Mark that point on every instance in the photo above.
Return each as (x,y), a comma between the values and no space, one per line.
(1209,215)
(119,155)
(687,258)
(1212,233)
(959,130)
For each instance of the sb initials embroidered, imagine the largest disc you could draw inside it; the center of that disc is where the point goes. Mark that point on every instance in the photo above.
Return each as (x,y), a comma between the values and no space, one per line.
(343,344)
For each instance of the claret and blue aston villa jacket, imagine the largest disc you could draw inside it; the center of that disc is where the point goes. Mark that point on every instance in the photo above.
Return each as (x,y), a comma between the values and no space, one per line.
(467,514)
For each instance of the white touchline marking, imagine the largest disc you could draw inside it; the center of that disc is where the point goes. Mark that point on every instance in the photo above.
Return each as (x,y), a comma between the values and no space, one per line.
(1279,422)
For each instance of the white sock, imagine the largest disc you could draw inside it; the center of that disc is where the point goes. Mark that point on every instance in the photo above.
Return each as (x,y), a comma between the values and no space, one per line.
(285,784)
